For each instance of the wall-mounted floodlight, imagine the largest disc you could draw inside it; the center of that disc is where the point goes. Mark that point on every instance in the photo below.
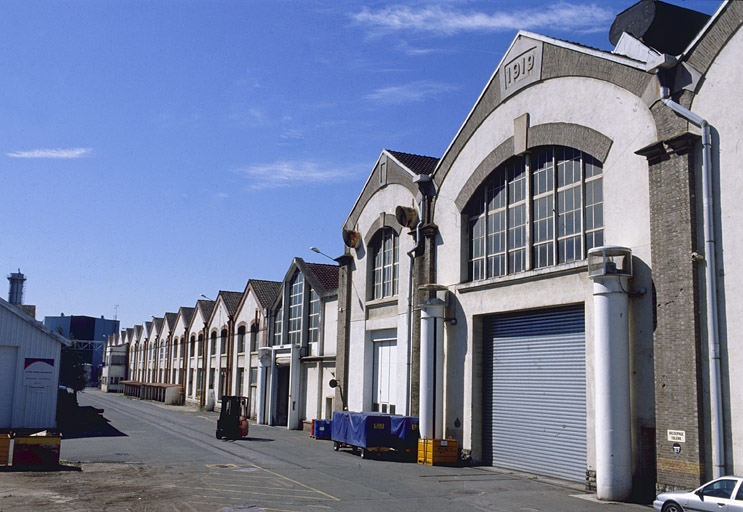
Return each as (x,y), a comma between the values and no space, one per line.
(609,261)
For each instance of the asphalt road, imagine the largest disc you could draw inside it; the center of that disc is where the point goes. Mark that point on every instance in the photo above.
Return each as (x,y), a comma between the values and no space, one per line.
(153,457)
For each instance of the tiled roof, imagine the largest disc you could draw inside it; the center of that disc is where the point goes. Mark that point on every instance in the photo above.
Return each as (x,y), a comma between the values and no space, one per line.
(187,314)
(206,307)
(416,163)
(170,319)
(265,291)
(326,274)
(157,324)
(231,300)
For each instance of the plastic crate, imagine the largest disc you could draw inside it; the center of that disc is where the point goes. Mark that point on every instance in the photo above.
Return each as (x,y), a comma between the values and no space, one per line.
(438,452)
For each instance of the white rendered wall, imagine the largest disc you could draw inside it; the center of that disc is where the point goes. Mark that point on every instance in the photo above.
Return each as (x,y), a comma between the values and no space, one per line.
(388,313)
(719,102)
(626,120)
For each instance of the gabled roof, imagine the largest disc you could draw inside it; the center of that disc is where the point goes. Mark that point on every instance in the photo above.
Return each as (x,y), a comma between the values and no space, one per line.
(231,300)
(10,309)
(416,163)
(205,307)
(322,278)
(265,291)
(392,168)
(187,314)
(157,325)
(170,319)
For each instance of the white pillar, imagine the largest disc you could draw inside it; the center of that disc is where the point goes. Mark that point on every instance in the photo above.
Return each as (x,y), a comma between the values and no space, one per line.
(264,362)
(612,388)
(431,414)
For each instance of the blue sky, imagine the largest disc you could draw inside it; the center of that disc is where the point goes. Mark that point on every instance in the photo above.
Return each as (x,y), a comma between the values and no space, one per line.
(153,151)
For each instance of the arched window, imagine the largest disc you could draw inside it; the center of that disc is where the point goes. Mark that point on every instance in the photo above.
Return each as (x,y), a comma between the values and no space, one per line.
(386,251)
(241,339)
(535,211)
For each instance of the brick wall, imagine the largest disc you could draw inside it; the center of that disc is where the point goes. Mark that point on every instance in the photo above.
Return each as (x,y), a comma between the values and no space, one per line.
(677,339)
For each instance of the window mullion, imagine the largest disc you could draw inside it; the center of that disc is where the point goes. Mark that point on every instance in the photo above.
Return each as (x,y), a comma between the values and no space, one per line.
(555,212)
(528,213)
(507,222)
(485,254)
(582,206)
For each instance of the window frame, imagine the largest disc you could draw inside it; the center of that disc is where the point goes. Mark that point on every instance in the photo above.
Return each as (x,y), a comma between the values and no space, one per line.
(296,309)
(241,339)
(313,316)
(534,211)
(385,264)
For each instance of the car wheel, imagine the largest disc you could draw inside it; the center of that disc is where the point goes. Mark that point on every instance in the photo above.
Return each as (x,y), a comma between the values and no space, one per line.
(672,506)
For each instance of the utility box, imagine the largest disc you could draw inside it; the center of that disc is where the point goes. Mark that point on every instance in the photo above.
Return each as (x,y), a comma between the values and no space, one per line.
(438,452)
(36,450)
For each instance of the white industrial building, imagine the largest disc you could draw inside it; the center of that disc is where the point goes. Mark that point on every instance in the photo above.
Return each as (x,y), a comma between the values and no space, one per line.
(558,292)
(29,371)
(470,296)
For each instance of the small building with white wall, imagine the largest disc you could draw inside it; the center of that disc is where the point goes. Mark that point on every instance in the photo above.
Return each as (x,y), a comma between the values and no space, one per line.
(30,356)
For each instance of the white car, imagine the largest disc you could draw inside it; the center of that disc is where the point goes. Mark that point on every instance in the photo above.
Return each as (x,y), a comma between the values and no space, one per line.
(723,494)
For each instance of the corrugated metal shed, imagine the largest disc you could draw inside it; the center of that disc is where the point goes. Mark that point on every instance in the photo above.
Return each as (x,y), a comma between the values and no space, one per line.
(29,370)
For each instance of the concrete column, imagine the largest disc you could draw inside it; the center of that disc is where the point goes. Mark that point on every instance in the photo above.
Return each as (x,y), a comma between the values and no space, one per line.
(613,416)
(264,361)
(431,415)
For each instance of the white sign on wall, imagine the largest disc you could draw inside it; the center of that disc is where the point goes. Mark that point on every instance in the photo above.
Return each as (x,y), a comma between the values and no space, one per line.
(677,436)
(38,372)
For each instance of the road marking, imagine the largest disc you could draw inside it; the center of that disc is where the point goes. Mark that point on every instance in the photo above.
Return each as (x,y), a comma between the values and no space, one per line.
(298,483)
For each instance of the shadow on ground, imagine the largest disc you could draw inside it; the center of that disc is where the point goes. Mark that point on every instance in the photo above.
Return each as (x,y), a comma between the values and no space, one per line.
(75,422)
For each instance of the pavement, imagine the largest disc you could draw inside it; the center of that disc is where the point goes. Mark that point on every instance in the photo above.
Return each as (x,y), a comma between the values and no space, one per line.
(130,455)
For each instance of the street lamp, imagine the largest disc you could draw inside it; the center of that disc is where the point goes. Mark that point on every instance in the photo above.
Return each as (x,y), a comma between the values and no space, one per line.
(318,251)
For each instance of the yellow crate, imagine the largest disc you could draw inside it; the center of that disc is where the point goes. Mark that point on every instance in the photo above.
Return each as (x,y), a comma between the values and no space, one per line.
(4,449)
(434,452)
(36,450)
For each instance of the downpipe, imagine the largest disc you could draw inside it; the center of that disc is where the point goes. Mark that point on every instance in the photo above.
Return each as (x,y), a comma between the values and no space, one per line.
(411,267)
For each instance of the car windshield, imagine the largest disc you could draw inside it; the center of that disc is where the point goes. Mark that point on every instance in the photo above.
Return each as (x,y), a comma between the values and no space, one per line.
(720,488)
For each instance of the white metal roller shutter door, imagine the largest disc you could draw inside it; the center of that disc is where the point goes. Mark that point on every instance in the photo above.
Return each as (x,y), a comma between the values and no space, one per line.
(8,368)
(534,392)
